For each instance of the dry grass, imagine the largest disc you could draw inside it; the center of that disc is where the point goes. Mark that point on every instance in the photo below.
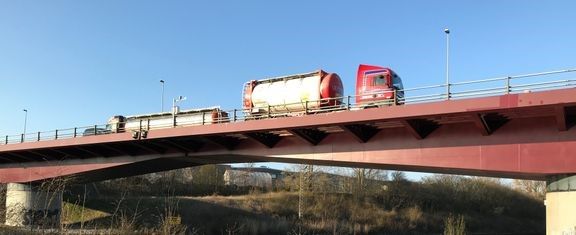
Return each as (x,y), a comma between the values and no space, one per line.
(74,213)
(455,225)
(400,208)
(338,214)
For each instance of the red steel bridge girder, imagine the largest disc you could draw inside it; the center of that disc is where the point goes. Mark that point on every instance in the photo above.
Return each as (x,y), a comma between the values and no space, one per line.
(529,148)
(524,135)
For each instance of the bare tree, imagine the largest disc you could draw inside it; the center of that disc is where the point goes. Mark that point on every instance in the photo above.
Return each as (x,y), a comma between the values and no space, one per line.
(368,180)
(398,176)
(533,188)
(304,186)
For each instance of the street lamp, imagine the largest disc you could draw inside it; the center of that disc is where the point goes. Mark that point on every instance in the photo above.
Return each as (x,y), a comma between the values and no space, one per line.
(175,108)
(162,98)
(25,119)
(447,31)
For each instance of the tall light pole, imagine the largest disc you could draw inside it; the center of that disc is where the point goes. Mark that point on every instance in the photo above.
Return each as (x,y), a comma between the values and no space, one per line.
(447,31)
(25,119)
(176,109)
(162,98)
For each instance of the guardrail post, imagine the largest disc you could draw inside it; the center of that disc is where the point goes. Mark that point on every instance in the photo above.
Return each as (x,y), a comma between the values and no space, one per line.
(6,142)
(269,111)
(22,138)
(348,103)
(75,133)
(56,135)
(38,136)
(306,107)
(203,118)
(508,85)
(234,115)
(447,91)
(95,129)
(395,98)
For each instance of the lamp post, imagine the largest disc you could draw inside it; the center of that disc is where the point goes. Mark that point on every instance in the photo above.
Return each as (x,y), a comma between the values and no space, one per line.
(162,98)
(25,119)
(447,31)
(23,136)
(176,109)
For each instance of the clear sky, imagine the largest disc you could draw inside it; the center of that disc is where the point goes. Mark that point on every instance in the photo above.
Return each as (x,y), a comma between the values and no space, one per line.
(76,63)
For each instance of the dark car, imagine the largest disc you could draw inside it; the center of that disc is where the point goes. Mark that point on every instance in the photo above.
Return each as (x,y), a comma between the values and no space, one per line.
(95,131)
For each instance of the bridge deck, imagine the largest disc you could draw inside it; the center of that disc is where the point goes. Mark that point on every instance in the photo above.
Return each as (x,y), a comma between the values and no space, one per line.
(426,123)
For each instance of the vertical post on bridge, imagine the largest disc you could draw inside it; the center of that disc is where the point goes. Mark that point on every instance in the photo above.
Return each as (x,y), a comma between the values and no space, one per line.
(348,103)
(508,85)
(447,31)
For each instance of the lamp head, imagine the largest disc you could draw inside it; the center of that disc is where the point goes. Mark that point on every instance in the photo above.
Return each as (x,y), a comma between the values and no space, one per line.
(447,31)
(180,98)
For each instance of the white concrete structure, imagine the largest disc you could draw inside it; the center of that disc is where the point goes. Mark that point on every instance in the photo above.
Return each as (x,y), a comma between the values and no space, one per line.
(247,178)
(561,206)
(27,205)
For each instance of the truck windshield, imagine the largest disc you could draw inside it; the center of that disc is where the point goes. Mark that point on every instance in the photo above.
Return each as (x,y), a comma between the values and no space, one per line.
(379,80)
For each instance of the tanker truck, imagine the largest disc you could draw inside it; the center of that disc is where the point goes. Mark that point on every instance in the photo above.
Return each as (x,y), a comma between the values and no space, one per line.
(320,91)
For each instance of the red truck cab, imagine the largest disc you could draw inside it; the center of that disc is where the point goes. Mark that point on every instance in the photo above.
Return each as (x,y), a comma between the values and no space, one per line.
(377,86)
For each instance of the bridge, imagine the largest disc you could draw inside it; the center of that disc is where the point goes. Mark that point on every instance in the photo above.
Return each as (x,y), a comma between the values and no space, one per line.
(514,130)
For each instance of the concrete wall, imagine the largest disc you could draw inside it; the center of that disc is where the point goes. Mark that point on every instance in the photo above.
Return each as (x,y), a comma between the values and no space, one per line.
(27,205)
(561,213)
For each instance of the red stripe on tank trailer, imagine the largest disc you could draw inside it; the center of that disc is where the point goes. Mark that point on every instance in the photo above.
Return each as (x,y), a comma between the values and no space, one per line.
(248,87)
(219,116)
(331,89)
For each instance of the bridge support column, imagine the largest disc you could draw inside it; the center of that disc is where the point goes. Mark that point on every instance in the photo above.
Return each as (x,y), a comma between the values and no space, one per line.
(30,206)
(561,205)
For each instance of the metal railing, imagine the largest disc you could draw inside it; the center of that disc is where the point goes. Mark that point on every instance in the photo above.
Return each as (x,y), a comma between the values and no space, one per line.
(55,134)
(453,91)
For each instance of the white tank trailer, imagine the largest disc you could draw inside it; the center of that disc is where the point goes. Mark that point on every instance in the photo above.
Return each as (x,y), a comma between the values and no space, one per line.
(192,117)
(292,94)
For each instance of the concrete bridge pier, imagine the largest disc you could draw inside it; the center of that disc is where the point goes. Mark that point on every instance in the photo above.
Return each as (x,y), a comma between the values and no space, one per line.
(31,206)
(561,205)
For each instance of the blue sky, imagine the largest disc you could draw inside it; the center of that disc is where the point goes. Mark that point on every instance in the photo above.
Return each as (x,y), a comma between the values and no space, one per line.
(76,63)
